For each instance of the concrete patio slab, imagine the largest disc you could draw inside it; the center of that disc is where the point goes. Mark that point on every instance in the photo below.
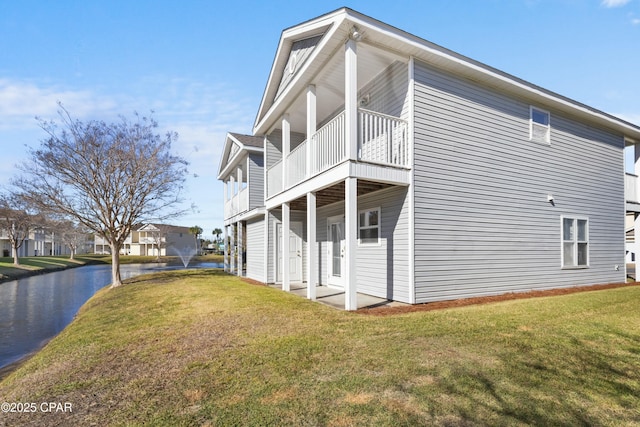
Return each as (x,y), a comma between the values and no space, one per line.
(335,297)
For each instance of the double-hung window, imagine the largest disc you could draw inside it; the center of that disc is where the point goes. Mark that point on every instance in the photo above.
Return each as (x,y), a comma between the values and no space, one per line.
(539,125)
(575,242)
(369,226)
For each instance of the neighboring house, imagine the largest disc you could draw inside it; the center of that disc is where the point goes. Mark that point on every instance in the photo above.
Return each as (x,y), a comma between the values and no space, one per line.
(153,239)
(398,168)
(41,242)
(242,170)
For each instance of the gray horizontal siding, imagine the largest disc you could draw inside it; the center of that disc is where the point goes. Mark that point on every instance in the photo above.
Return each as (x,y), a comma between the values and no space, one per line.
(483,224)
(256,181)
(255,249)
(275,217)
(388,91)
(273,148)
(382,270)
(274,145)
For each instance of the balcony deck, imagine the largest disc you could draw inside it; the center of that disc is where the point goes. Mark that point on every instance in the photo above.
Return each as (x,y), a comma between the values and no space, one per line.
(382,140)
(237,204)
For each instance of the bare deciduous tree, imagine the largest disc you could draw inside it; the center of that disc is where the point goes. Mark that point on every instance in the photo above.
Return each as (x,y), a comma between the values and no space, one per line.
(72,235)
(158,235)
(17,220)
(105,176)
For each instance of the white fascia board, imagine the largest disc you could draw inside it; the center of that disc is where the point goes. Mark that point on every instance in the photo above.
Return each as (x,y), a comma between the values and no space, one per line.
(253,213)
(233,162)
(323,180)
(225,153)
(236,158)
(329,24)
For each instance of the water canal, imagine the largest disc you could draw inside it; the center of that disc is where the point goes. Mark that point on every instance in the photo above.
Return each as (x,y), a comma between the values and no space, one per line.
(35,309)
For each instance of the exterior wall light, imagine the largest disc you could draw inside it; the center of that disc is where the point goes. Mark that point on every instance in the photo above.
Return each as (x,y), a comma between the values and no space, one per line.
(354,34)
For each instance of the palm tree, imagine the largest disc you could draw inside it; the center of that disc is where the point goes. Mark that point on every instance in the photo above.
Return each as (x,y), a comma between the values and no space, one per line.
(196,231)
(217,232)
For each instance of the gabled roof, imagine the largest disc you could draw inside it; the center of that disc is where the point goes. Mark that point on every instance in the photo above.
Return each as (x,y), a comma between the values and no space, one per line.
(334,28)
(166,228)
(234,146)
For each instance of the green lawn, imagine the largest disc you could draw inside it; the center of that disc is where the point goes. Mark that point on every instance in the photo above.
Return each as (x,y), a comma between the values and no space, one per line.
(33,265)
(202,348)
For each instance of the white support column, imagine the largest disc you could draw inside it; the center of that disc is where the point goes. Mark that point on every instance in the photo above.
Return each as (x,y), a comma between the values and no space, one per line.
(351,99)
(286,230)
(264,180)
(311,125)
(226,248)
(286,149)
(312,250)
(636,243)
(351,243)
(232,246)
(240,250)
(636,216)
(411,190)
(266,247)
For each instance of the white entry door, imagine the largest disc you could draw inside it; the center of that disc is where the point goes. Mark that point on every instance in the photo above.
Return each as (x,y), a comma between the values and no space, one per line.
(294,260)
(336,256)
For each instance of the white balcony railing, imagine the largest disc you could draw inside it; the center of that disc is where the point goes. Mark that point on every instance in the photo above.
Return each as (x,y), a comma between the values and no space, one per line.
(631,188)
(328,145)
(243,200)
(296,164)
(381,139)
(237,204)
(274,178)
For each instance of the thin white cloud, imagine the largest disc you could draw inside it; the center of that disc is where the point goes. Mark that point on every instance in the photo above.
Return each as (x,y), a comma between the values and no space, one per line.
(21,101)
(200,113)
(635,21)
(614,3)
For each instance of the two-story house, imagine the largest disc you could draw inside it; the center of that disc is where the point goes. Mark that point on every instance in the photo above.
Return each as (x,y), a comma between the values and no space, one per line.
(41,242)
(153,240)
(242,171)
(397,168)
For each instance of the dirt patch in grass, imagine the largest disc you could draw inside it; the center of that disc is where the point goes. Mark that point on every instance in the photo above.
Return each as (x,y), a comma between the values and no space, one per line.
(252,282)
(439,305)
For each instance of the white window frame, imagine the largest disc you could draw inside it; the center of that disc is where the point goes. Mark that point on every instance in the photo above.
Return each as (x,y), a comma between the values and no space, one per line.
(574,241)
(369,227)
(532,124)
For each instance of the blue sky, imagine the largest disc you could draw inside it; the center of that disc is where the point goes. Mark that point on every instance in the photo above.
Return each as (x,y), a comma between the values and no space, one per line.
(202,65)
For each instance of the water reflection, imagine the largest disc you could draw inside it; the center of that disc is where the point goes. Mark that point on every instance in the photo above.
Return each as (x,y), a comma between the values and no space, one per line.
(35,309)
